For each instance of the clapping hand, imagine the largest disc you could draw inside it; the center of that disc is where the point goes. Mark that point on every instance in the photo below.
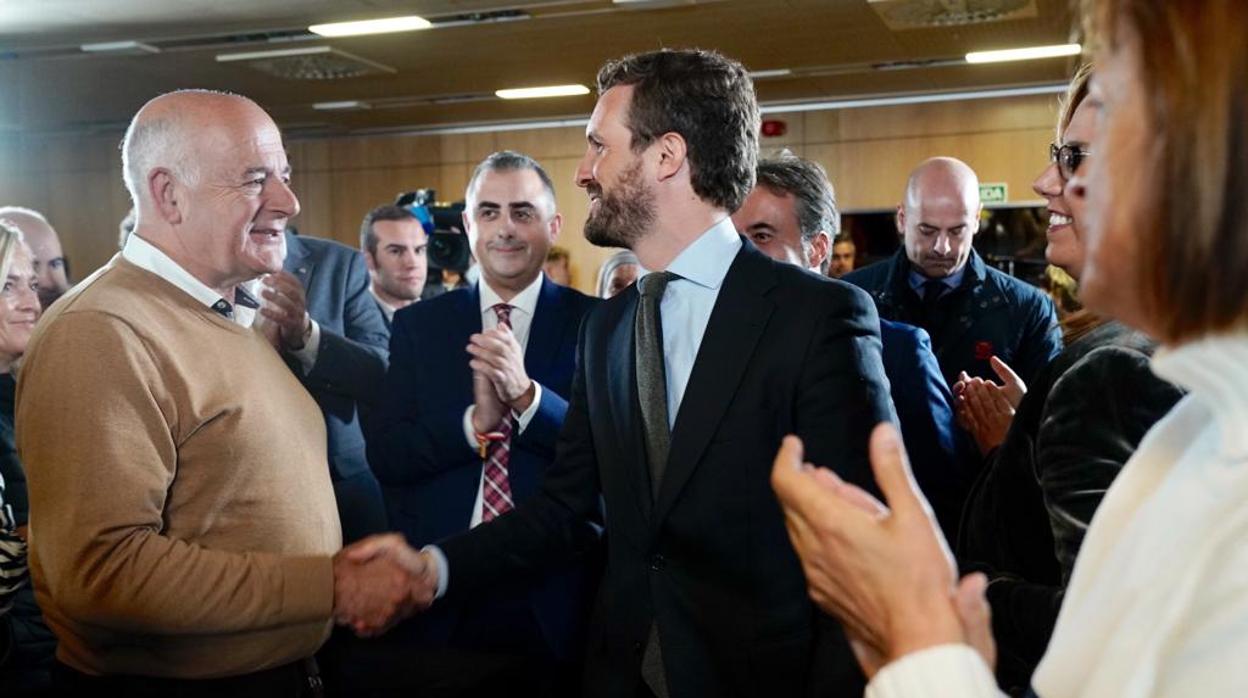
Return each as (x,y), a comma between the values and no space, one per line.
(883,570)
(986,409)
(498,356)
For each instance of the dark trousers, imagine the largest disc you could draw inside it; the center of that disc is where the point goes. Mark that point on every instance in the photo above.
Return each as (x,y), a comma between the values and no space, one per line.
(296,680)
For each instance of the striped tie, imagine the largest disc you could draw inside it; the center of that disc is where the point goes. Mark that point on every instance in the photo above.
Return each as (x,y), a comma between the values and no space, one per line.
(496,488)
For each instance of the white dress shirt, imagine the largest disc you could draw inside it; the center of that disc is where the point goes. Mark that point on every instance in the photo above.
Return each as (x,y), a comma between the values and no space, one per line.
(687,303)
(145,255)
(523,306)
(1157,605)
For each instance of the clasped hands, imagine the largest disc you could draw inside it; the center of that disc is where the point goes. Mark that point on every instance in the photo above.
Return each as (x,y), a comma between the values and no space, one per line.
(499,381)
(381,580)
(883,570)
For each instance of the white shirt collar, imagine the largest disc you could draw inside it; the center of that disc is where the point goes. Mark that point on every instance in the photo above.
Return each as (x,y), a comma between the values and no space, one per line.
(706,260)
(525,301)
(145,255)
(386,309)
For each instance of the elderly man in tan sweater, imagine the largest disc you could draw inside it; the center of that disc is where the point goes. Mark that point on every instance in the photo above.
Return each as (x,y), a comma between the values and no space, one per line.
(184,536)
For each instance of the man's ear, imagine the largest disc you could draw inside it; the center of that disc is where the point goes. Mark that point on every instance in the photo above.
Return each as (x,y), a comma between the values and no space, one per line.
(819,247)
(556,226)
(900,219)
(162,188)
(672,153)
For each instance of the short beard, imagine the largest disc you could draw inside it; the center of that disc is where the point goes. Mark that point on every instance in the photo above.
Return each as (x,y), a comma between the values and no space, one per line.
(624,216)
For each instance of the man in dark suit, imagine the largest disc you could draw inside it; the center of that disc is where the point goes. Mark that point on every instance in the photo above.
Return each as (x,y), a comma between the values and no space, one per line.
(394,243)
(320,315)
(791,216)
(938,282)
(684,388)
(521,332)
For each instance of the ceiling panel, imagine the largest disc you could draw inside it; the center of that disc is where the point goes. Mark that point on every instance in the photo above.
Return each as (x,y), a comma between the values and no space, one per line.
(834,47)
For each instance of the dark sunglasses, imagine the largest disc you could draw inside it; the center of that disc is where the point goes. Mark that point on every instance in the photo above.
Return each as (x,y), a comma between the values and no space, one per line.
(1068,158)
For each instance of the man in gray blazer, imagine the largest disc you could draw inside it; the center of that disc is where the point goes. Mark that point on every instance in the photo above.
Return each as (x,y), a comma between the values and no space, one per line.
(328,327)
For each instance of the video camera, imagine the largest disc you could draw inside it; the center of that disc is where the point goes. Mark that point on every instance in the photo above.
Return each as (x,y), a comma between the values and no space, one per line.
(448,245)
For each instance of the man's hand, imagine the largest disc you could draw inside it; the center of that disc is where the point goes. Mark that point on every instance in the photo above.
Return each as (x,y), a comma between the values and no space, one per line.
(884,571)
(488,410)
(286,306)
(379,581)
(497,355)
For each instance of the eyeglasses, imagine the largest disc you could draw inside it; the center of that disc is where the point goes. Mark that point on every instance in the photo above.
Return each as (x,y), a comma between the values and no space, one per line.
(1068,158)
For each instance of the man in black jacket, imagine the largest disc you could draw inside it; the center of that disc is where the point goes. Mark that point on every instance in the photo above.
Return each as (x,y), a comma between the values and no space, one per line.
(684,387)
(938,282)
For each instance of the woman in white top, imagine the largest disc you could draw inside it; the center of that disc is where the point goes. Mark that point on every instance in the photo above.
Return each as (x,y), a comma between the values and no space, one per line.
(1158,602)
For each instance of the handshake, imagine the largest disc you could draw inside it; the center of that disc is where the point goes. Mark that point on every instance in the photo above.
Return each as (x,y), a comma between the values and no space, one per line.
(379,581)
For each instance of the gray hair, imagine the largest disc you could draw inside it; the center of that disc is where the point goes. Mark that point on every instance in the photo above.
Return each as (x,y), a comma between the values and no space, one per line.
(510,161)
(808,182)
(7,211)
(615,261)
(153,142)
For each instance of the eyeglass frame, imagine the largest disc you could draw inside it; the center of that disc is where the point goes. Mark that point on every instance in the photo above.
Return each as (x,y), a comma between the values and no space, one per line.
(1068,157)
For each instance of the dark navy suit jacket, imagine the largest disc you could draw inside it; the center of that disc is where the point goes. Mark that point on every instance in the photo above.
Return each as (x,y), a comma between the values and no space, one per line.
(430,474)
(928,427)
(350,367)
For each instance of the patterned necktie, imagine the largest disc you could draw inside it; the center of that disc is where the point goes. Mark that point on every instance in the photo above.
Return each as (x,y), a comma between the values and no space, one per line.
(223,307)
(496,488)
(652,375)
(652,394)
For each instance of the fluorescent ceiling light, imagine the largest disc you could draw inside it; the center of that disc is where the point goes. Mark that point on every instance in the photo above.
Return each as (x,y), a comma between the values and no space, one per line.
(344,105)
(1024,54)
(371,26)
(764,74)
(548,91)
(273,53)
(119,47)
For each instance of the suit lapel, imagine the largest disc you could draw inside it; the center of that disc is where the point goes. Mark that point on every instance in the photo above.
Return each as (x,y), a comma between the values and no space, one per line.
(737,321)
(625,409)
(545,332)
(297,261)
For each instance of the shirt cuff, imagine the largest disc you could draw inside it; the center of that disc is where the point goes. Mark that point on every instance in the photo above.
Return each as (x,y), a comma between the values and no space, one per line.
(943,671)
(307,355)
(469,432)
(523,418)
(444,570)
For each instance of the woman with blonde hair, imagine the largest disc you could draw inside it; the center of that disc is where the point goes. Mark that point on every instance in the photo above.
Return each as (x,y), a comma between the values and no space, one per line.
(26,644)
(1156,606)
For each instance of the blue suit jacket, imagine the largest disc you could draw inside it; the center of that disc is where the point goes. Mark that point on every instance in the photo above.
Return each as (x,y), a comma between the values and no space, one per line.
(928,427)
(430,475)
(350,367)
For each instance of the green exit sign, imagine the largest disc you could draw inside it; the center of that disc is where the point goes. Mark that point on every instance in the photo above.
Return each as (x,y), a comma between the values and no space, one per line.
(993,192)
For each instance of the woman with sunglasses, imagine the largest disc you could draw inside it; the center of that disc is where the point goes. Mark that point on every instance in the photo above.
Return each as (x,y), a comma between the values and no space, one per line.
(1026,515)
(1157,605)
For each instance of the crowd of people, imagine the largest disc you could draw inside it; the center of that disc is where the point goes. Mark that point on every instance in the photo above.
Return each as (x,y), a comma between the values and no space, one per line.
(239,460)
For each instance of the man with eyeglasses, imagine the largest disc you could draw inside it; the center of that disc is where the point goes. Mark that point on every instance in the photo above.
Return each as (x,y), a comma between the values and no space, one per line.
(937,281)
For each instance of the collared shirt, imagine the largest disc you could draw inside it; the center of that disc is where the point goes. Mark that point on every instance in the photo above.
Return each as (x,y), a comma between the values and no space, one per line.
(523,306)
(687,303)
(951,282)
(386,309)
(145,255)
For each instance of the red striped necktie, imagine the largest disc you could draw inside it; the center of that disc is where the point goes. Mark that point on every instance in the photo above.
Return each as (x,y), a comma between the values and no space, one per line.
(496,487)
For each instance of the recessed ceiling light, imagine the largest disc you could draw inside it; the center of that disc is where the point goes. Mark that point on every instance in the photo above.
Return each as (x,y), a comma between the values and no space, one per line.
(548,91)
(1024,54)
(371,26)
(129,47)
(343,105)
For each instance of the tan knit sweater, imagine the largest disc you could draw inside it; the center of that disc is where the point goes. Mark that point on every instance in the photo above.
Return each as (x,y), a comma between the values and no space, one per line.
(182,517)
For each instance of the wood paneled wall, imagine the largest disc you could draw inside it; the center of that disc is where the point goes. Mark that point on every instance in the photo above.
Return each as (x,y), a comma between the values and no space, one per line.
(868,153)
